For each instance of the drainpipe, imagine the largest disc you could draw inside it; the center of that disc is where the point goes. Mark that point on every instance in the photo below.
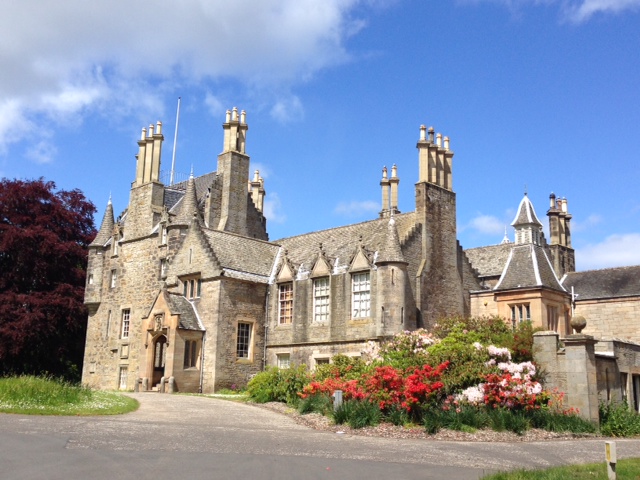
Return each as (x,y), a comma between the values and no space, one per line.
(266,327)
(204,338)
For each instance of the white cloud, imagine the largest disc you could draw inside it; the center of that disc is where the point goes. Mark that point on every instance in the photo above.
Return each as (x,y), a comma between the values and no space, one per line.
(42,152)
(613,251)
(584,10)
(591,221)
(287,110)
(62,60)
(356,208)
(487,224)
(273,209)
(576,11)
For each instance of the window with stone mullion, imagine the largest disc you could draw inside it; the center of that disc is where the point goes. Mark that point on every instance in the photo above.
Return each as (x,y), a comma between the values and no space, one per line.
(285,300)
(361,295)
(321,299)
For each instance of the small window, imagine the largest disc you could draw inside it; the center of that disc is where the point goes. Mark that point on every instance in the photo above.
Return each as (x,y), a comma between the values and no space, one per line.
(114,278)
(126,314)
(285,300)
(108,326)
(243,344)
(90,281)
(192,288)
(190,353)
(163,236)
(322,361)
(163,267)
(361,295)
(283,360)
(122,378)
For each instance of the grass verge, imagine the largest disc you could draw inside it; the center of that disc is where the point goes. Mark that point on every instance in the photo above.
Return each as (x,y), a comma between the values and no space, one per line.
(626,469)
(31,395)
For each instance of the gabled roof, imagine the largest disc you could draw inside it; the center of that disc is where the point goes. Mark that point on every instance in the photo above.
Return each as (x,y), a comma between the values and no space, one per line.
(489,261)
(178,305)
(605,283)
(339,244)
(526,214)
(528,266)
(242,254)
(174,194)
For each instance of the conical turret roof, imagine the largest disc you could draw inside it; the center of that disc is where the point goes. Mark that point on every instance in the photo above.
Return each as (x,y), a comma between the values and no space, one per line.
(106,228)
(526,214)
(390,250)
(189,204)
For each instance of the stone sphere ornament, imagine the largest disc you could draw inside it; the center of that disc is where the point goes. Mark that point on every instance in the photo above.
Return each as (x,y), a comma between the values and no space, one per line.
(578,323)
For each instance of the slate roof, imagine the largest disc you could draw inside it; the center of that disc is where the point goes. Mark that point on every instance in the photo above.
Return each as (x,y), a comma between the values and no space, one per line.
(173,194)
(242,254)
(178,305)
(106,228)
(489,261)
(605,283)
(526,214)
(528,266)
(341,243)
(390,250)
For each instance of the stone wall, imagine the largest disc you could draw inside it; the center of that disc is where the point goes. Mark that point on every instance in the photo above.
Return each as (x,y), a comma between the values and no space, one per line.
(611,318)
(441,292)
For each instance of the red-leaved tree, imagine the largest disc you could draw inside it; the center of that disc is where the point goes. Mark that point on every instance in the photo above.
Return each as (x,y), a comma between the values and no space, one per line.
(44,236)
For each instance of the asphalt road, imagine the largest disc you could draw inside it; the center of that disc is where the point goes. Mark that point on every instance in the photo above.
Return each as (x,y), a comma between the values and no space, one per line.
(175,436)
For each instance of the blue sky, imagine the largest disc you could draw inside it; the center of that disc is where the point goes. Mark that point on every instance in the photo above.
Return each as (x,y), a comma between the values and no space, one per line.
(541,95)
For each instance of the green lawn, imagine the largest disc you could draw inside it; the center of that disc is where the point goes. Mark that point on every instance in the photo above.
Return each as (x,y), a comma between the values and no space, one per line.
(44,396)
(628,469)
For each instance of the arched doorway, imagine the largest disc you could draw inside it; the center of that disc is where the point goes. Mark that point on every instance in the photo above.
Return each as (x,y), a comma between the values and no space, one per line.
(159,356)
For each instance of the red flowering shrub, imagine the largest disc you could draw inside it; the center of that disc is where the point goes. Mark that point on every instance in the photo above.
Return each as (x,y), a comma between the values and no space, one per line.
(386,386)
(422,384)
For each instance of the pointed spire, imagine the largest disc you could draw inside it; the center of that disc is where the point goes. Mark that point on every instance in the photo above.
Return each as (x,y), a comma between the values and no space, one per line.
(390,250)
(106,228)
(506,237)
(189,205)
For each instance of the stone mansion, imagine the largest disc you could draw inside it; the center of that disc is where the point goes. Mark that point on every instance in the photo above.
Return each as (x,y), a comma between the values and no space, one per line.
(185,289)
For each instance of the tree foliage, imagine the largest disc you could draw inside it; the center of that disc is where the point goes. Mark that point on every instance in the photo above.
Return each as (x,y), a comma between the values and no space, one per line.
(44,236)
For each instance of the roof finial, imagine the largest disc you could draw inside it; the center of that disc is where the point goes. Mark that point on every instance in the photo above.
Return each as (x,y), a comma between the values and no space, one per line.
(191,174)
(525,190)
(109,202)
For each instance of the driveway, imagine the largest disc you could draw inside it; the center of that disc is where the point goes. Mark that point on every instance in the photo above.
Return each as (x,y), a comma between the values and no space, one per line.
(176,436)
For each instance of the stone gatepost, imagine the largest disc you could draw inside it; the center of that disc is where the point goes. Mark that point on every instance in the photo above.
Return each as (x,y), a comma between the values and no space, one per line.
(582,388)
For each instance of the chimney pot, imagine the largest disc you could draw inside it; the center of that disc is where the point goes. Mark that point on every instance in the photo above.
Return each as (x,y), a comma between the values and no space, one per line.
(159,128)
(256,176)
(423,133)
(394,171)
(446,143)
(431,133)
(384,173)
(151,130)
(144,134)
(234,114)
(243,117)
(228,116)
(439,139)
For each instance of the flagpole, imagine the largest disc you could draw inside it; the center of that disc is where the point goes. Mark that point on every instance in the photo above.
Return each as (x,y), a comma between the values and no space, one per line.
(175,143)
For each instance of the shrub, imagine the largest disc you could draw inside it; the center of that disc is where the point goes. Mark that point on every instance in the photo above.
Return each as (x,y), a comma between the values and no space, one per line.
(320,403)
(363,414)
(397,415)
(407,349)
(617,420)
(278,385)
(341,366)
(486,330)
(343,412)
